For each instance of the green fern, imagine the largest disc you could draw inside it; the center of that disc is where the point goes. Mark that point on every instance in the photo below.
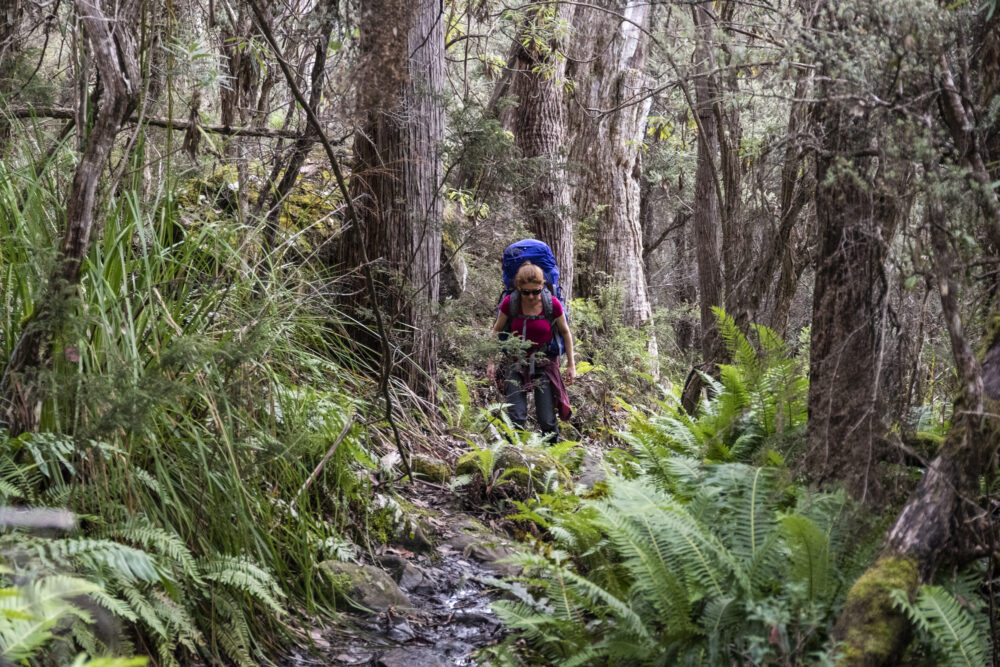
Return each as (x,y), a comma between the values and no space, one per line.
(157,540)
(29,612)
(242,575)
(677,572)
(953,630)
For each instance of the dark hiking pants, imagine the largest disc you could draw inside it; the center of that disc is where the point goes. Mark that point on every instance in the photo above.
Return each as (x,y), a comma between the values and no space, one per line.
(517,397)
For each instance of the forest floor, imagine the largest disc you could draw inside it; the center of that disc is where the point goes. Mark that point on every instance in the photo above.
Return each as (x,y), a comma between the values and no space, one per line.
(424,599)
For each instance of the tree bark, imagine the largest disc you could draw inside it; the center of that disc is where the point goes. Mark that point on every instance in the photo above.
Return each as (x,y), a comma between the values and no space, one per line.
(942,520)
(707,222)
(540,133)
(857,214)
(608,136)
(11,46)
(848,300)
(114,53)
(397,174)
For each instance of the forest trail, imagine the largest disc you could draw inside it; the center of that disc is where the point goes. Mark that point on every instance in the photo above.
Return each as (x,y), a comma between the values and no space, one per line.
(436,609)
(440,592)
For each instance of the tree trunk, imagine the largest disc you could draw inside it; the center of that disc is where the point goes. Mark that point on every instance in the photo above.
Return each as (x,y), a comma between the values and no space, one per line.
(706,217)
(114,53)
(397,174)
(540,134)
(857,215)
(608,129)
(11,46)
(942,521)
(848,301)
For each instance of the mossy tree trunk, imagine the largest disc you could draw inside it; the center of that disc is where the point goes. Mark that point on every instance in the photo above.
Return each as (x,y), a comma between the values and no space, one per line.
(943,521)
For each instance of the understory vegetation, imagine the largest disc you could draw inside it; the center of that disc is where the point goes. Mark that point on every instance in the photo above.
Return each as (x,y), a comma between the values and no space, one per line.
(193,391)
(251,254)
(194,388)
(701,548)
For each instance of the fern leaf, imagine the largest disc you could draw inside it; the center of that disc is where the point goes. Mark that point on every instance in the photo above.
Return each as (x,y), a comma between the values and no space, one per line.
(810,554)
(950,626)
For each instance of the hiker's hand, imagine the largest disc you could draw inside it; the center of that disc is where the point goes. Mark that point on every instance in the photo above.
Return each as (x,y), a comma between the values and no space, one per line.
(569,374)
(491,370)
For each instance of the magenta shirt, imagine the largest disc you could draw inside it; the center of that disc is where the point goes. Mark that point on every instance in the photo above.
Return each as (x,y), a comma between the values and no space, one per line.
(538,331)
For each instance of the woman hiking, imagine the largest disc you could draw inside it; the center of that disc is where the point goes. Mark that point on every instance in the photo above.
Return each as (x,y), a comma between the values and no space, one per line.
(535,366)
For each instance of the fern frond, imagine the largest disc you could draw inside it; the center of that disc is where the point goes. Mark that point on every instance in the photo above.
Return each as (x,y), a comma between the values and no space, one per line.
(950,626)
(28,612)
(158,540)
(117,607)
(126,561)
(809,554)
(245,576)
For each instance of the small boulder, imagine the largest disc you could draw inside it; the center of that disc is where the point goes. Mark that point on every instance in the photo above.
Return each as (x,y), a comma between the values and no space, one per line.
(592,470)
(410,657)
(474,541)
(410,578)
(432,469)
(466,464)
(366,586)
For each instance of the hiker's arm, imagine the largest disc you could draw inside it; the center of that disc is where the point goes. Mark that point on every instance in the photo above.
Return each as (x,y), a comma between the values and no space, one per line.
(500,323)
(568,342)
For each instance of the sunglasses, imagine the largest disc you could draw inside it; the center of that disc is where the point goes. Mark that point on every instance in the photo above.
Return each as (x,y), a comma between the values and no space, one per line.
(530,292)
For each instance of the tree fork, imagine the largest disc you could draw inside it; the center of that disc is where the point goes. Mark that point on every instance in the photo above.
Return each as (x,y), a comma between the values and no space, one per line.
(115,58)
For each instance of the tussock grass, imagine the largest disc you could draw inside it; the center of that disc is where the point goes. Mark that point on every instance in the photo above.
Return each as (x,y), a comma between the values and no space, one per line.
(191,389)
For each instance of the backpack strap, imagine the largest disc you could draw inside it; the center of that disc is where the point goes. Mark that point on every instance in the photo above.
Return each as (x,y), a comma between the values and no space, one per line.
(548,311)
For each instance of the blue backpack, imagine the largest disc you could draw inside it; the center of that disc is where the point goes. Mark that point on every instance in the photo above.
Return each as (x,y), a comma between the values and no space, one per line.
(539,254)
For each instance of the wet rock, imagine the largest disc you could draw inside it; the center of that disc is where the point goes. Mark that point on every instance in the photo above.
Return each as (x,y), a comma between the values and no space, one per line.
(410,657)
(402,632)
(410,577)
(592,470)
(412,535)
(474,541)
(432,469)
(366,586)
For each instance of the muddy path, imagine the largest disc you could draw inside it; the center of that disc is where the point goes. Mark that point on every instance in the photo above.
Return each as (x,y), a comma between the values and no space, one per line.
(449,619)
(428,603)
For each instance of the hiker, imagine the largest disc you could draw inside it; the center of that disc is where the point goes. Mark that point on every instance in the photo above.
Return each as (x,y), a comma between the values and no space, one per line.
(537,367)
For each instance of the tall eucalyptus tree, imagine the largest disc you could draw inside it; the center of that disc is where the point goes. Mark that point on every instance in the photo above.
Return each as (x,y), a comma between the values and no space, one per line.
(539,125)
(608,115)
(397,173)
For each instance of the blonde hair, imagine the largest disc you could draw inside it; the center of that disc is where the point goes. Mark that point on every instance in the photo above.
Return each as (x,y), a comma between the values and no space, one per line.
(529,273)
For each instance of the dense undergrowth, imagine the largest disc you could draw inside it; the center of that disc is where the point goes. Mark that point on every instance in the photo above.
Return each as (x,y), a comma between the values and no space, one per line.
(703,548)
(193,389)
(191,393)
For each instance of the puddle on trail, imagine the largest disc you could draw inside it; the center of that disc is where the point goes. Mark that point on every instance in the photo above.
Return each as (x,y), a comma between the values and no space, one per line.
(450,618)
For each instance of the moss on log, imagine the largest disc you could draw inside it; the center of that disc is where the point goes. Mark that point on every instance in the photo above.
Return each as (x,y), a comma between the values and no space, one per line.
(870,630)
